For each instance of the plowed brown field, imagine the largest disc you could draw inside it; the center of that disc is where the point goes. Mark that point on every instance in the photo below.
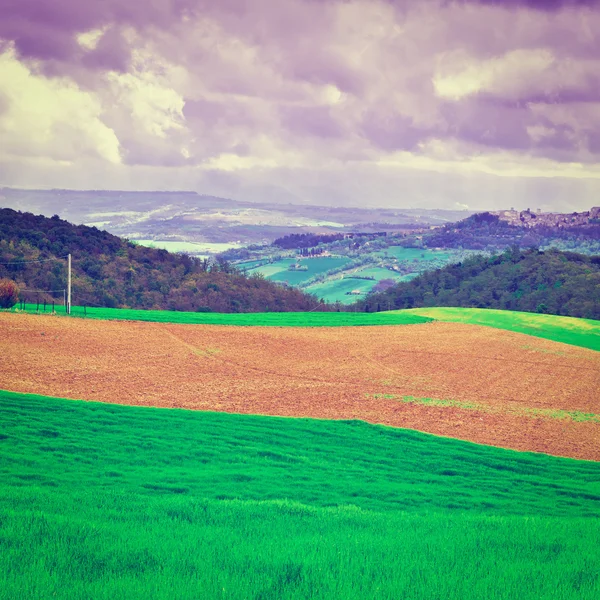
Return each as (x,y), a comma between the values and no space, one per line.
(507,384)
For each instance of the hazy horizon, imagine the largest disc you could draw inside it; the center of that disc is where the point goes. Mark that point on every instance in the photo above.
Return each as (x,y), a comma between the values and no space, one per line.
(474,104)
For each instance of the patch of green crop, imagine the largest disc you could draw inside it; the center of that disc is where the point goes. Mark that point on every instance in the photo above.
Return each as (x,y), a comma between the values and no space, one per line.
(549,413)
(570,415)
(282,319)
(107,501)
(428,401)
(569,330)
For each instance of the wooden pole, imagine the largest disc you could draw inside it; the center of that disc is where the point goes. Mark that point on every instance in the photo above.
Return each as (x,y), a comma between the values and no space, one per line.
(69,288)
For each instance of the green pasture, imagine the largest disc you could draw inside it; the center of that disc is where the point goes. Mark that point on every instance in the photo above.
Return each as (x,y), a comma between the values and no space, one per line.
(418,254)
(335,290)
(285,319)
(113,502)
(378,273)
(278,271)
(569,330)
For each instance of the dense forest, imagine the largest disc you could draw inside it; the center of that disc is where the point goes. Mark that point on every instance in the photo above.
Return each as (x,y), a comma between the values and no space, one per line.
(556,282)
(112,272)
(485,231)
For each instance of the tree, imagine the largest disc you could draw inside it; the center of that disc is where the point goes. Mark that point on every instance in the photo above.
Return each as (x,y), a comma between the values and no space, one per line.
(9,293)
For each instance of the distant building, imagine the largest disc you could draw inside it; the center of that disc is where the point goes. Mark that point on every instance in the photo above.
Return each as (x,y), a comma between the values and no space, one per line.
(527,218)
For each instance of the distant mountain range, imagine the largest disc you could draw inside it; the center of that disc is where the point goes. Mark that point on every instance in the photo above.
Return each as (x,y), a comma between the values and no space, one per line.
(191,217)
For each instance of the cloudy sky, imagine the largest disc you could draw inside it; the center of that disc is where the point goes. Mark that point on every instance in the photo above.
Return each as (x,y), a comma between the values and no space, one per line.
(402,103)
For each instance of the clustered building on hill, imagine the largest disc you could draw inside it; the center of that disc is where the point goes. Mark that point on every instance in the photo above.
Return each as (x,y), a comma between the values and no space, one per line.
(529,218)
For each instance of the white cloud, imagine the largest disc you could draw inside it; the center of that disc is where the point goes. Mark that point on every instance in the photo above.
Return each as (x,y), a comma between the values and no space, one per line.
(459,75)
(148,94)
(51,118)
(89,40)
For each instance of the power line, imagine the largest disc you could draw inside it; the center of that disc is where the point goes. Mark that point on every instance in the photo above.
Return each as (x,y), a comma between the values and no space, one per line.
(23,262)
(43,291)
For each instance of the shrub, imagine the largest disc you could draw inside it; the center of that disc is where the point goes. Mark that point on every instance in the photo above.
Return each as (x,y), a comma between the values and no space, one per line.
(9,293)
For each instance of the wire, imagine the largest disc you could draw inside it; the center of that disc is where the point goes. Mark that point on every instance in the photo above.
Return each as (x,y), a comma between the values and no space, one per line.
(44,291)
(23,262)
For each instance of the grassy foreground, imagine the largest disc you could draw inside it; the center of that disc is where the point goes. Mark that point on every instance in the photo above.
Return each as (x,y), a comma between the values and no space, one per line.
(282,319)
(107,501)
(569,330)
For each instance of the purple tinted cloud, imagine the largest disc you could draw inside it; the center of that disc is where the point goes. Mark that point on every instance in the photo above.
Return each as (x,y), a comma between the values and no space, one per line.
(320,80)
(111,54)
(545,5)
(392,132)
(315,121)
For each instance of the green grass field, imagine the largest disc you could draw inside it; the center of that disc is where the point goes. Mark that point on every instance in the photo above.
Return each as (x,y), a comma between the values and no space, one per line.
(419,254)
(278,271)
(114,502)
(288,319)
(569,330)
(378,273)
(335,290)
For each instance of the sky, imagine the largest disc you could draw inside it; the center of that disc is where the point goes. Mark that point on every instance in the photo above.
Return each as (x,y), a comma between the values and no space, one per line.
(479,104)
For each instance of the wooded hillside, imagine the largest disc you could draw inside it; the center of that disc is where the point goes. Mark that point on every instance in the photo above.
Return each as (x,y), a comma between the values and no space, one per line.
(112,272)
(555,282)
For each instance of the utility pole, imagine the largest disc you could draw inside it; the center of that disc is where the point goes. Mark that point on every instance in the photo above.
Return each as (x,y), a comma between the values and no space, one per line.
(69,288)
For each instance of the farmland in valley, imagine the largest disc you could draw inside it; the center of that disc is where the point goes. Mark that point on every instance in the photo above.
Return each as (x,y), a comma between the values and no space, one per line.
(279,270)
(103,501)
(333,278)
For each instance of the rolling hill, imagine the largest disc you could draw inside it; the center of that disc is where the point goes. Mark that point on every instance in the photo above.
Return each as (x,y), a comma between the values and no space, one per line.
(120,496)
(111,272)
(554,282)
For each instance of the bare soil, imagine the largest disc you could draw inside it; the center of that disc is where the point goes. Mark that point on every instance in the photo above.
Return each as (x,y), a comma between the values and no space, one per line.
(330,373)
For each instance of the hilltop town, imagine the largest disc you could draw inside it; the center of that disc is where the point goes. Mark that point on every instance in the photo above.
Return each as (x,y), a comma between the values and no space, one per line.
(528,218)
